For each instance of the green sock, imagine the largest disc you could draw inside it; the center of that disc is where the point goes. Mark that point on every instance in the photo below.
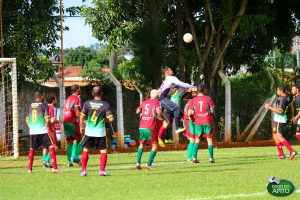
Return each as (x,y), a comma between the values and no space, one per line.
(48,157)
(211,151)
(69,152)
(190,150)
(139,155)
(151,158)
(78,150)
(74,147)
(44,157)
(195,150)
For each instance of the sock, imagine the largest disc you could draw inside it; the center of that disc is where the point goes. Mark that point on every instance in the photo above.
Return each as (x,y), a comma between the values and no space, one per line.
(161,132)
(53,157)
(139,155)
(287,145)
(190,151)
(103,160)
(195,150)
(211,151)
(151,158)
(78,150)
(69,153)
(30,158)
(298,137)
(85,158)
(44,156)
(74,147)
(279,149)
(48,157)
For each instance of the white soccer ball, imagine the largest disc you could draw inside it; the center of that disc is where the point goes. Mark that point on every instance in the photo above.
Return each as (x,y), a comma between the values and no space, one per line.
(187,37)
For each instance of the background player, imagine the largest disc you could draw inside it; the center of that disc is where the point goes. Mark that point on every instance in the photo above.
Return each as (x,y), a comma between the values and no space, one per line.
(38,120)
(200,108)
(279,122)
(71,126)
(296,118)
(95,112)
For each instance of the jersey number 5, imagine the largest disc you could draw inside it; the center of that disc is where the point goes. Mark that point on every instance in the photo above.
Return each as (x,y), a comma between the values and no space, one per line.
(146,109)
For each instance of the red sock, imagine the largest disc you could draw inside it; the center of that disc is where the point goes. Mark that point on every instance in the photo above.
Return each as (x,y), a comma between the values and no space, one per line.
(298,137)
(161,132)
(85,158)
(103,160)
(30,158)
(279,149)
(53,157)
(287,145)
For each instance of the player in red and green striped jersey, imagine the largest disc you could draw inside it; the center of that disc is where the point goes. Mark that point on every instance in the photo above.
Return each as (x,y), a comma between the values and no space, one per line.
(95,112)
(150,110)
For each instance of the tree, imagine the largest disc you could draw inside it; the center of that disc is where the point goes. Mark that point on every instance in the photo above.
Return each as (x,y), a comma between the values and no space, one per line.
(79,56)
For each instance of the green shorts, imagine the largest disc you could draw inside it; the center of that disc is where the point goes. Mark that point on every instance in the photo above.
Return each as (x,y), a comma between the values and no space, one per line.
(70,129)
(145,134)
(202,129)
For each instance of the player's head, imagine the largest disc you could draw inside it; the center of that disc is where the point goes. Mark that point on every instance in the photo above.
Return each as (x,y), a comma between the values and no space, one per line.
(295,89)
(75,89)
(97,92)
(154,94)
(281,90)
(168,71)
(39,95)
(200,88)
(51,99)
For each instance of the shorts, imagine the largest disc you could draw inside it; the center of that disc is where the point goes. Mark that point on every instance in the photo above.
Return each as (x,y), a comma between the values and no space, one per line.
(147,135)
(72,131)
(168,115)
(190,128)
(278,127)
(40,141)
(202,129)
(94,142)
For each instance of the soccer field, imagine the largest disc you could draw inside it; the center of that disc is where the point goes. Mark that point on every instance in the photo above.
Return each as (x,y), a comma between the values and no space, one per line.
(239,173)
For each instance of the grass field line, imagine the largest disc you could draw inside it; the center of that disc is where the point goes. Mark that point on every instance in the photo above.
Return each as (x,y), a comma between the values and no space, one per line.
(233,196)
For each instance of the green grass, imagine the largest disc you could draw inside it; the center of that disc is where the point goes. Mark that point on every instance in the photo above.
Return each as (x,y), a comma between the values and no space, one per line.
(236,171)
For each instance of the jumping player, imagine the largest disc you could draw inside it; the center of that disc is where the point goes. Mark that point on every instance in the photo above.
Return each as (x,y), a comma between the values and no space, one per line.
(279,122)
(150,110)
(296,118)
(95,112)
(71,126)
(200,108)
(38,120)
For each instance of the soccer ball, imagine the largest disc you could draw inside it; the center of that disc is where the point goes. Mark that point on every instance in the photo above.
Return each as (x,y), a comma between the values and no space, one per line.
(187,37)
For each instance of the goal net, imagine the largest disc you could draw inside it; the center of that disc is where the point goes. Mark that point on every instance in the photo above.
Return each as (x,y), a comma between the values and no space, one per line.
(8,108)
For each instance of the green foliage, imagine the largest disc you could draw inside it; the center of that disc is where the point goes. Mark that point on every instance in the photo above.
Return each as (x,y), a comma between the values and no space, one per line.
(79,56)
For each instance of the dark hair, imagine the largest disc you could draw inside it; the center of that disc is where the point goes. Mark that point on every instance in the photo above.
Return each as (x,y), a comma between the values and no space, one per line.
(74,88)
(282,88)
(38,94)
(200,88)
(297,86)
(97,92)
(50,97)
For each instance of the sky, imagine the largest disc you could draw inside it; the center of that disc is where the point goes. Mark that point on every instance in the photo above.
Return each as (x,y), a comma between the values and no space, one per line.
(79,34)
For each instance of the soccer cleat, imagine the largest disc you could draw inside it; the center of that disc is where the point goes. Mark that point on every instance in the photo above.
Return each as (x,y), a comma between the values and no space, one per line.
(293,154)
(180,130)
(83,173)
(47,164)
(169,141)
(161,143)
(29,171)
(150,168)
(70,164)
(281,157)
(194,160)
(211,160)
(76,160)
(57,171)
(103,173)
(138,166)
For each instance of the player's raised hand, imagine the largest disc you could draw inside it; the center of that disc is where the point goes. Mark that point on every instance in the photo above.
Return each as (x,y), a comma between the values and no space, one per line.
(267,106)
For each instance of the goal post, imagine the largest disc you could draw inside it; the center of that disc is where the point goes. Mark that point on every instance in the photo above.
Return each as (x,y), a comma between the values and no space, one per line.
(9,126)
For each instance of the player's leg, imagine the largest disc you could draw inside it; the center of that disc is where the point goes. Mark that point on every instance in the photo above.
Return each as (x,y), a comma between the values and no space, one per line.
(69,151)
(46,158)
(277,142)
(33,144)
(283,141)
(76,147)
(190,133)
(162,131)
(103,156)
(139,155)
(153,140)
(198,132)
(190,148)
(47,143)
(69,131)
(87,143)
(298,132)
(210,148)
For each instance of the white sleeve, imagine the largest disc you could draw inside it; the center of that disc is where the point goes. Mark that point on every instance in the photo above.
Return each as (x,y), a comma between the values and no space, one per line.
(177,82)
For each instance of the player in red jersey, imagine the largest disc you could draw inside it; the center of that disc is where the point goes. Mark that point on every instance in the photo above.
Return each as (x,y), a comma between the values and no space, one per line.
(52,101)
(72,111)
(201,108)
(150,110)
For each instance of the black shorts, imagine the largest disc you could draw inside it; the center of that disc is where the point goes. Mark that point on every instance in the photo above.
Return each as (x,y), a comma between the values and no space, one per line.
(168,114)
(278,127)
(93,142)
(40,141)
(298,128)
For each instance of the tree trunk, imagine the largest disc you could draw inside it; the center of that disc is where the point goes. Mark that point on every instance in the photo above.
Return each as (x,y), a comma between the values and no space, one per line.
(179,21)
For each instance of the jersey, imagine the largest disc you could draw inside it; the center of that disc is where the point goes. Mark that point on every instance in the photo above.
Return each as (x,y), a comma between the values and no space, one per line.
(148,116)
(186,109)
(96,112)
(37,113)
(202,105)
(176,96)
(69,110)
(282,104)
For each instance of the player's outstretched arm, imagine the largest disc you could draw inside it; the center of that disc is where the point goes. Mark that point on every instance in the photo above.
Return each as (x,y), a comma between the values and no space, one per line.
(81,123)
(138,110)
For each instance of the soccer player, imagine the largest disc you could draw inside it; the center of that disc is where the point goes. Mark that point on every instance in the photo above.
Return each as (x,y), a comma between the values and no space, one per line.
(200,108)
(38,120)
(165,90)
(279,122)
(149,110)
(190,130)
(71,126)
(296,118)
(95,112)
